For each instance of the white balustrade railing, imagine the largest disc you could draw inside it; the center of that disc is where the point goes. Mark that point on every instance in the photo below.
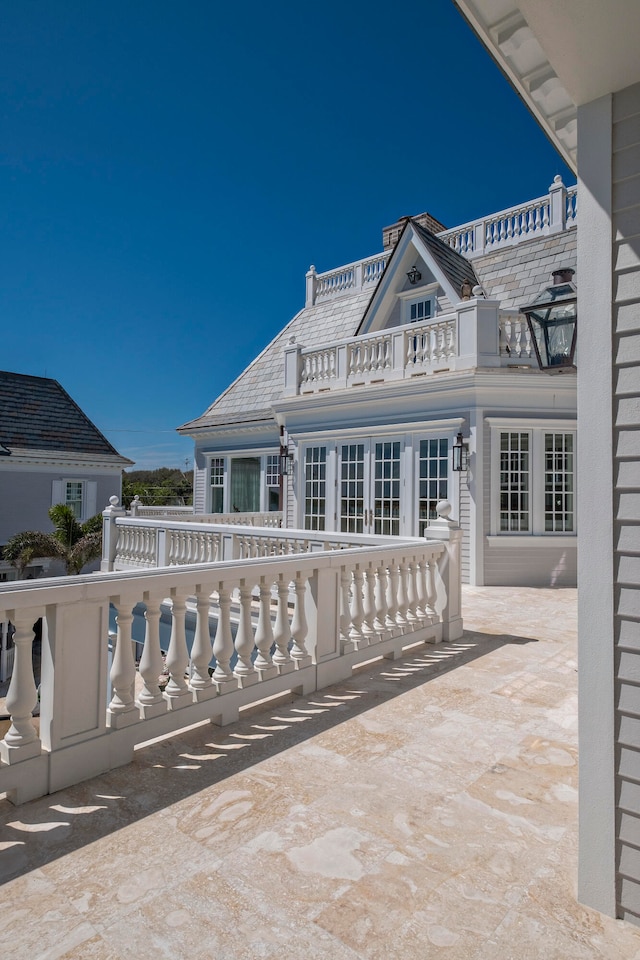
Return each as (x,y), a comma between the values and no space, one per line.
(432,344)
(141,543)
(549,214)
(390,355)
(553,213)
(271,518)
(351,278)
(515,339)
(303,621)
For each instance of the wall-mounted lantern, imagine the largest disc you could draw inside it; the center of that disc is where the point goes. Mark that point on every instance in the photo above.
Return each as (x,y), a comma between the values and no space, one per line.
(286,462)
(552,319)
(414,275)
(460,452)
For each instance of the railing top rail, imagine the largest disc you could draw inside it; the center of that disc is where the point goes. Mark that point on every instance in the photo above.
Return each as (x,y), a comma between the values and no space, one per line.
(166,580)
(383,255)
(411,328)
(501,214)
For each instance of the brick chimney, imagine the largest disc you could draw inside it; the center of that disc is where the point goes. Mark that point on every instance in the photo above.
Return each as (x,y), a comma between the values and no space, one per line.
(390,234)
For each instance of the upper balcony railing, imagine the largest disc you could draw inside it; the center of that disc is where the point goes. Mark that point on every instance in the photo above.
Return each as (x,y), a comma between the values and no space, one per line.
(238,631)
(553,213)
(477,334)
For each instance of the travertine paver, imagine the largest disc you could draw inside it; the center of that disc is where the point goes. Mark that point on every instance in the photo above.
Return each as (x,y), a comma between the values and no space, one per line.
(425,808)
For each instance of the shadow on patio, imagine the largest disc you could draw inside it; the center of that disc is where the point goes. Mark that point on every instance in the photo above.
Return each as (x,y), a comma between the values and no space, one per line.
(426,806)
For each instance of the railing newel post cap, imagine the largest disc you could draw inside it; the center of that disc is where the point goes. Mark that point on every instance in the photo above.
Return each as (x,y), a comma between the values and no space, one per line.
(443,509)
(113,508)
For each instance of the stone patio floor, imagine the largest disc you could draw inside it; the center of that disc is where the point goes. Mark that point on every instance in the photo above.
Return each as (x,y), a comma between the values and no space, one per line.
(426,808)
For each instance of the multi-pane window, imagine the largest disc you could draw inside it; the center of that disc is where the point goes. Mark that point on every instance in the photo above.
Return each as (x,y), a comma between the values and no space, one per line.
(386,488)
(433,479)
(421,310)
(272,474)
(217,485)
(514,482)
(352,488)
(558,483)
(73,497)
(315,488)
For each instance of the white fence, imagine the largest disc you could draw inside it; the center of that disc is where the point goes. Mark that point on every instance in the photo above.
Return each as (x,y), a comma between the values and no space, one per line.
(286,623)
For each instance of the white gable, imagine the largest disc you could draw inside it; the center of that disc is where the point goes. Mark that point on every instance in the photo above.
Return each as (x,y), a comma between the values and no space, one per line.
(395,288)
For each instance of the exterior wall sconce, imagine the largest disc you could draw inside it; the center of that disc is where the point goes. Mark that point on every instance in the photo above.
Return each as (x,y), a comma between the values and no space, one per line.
(414,275)
(286,462)
(460,452)
(552,319)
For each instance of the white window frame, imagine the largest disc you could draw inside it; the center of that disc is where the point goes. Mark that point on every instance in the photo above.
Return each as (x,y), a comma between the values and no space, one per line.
(88,496)
(424,294)
(409,434)
(227,456)
(536,428)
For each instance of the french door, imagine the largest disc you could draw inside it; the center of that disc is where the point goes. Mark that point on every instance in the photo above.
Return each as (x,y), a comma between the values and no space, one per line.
(369,486)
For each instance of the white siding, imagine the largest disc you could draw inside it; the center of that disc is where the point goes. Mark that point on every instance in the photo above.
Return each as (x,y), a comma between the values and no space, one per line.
(626,441)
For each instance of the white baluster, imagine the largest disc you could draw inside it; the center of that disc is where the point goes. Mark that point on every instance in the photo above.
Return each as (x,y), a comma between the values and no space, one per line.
(346,646)
(150,700)
(379,623)
(21,741)
(201,651)
(369,606)
(122,709)
(223,643)
(411,593)
(299,624)
(401,612)
(264,634)
(282,633)
(244,670)
(357,613)
(177,693)
(430,589)
(392,596)
(421,590)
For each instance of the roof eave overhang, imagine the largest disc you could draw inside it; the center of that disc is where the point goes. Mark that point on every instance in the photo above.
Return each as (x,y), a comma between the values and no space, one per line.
(537,84)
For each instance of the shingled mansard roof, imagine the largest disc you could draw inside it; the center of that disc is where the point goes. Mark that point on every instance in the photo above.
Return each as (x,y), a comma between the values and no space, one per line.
(512,275)
(37,414)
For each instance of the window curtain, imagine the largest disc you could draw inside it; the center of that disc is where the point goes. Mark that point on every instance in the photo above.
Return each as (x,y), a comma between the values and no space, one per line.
(245,485)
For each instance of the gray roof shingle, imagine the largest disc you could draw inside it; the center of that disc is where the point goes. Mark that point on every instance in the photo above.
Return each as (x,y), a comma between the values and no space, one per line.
(512,275)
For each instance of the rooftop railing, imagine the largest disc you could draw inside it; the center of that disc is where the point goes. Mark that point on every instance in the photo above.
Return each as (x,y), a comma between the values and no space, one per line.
(552,213)
(261,627)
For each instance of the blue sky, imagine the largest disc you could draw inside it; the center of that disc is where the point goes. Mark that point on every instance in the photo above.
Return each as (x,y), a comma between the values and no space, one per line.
(169,170)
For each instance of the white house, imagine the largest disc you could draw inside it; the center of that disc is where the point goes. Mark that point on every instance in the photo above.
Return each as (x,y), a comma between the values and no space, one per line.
(575,63)
(50,452)
(398,367)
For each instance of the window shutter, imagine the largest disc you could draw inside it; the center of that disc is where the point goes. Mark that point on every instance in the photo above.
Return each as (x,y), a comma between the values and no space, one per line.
(57,492)
(91,487)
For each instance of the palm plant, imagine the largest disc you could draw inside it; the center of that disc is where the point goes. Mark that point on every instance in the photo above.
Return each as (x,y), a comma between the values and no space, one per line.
(74,544)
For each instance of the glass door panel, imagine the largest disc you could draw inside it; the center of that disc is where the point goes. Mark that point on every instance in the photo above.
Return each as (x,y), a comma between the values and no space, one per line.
(386,488)
(352,487)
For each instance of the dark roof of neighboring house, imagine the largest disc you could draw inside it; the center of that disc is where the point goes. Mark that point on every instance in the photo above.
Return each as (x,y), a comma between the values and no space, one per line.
(36,413)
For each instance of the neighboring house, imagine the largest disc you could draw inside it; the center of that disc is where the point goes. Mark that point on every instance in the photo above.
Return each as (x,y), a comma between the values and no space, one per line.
(575,63)
(50,452)
(393,364)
